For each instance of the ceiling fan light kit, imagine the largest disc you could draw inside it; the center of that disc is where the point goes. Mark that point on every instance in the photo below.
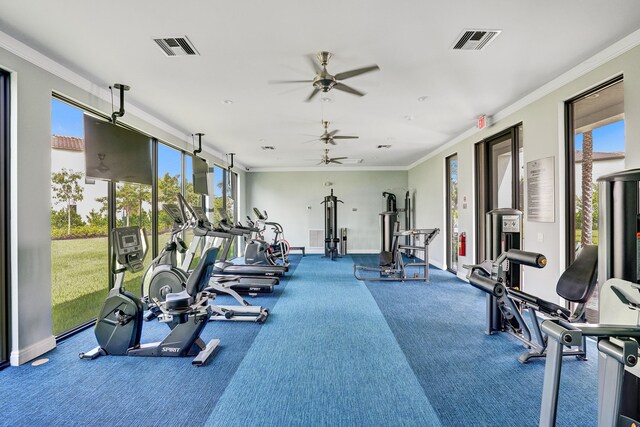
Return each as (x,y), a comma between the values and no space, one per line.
(324,81)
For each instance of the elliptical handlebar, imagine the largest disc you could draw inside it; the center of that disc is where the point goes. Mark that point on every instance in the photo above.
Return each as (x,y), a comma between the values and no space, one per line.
(186,208)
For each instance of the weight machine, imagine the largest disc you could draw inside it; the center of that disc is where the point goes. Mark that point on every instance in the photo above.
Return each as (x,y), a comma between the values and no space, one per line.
(396,270)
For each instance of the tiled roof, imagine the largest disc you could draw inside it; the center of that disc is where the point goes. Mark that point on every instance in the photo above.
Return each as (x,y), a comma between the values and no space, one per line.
(70,143)
(599,155)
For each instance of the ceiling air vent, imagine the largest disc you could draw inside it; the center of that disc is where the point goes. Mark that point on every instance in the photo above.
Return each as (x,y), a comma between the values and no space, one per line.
(176,46)
(475,39)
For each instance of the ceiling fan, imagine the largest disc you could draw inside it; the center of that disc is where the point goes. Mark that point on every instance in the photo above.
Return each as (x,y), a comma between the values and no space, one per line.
(323,81)
(328,137)
(326,159)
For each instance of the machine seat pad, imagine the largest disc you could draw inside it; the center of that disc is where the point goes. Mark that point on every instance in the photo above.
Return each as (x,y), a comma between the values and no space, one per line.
(178,300)
(578,281)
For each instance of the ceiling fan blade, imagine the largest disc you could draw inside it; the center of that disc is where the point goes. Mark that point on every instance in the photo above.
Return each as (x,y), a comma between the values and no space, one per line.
(335,161)
(339,158)
(343,87)
(314,93)
(314,63)
(333,132)
(345,137)
(277,82)
(330,141)
(356,72)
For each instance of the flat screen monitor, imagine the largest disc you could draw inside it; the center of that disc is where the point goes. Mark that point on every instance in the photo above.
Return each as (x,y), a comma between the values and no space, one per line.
(115,153)
(200,170)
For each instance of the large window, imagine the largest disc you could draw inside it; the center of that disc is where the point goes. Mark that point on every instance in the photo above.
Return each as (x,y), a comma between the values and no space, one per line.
(452,213)
(79,225)
(169,185)
(225,188)
(4,216)
(133,208)
(83,210)
(595,147)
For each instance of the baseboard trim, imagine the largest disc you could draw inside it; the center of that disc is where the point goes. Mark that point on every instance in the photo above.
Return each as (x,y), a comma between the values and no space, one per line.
(25,355)
(437,264)
(351,251)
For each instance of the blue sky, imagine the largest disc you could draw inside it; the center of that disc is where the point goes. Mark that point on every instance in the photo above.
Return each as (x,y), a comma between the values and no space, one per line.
(609,138)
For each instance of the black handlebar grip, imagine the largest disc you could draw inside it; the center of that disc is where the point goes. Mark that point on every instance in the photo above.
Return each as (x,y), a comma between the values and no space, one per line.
(487,285)
(529,259)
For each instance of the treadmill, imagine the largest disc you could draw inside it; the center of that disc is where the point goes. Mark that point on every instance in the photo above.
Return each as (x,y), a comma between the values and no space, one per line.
(222,266)
(203,229)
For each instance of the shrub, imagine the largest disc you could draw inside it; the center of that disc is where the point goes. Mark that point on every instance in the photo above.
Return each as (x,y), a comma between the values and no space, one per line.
(81,232)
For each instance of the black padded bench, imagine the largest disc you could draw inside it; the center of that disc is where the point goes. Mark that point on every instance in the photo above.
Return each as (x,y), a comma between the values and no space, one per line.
(297,248)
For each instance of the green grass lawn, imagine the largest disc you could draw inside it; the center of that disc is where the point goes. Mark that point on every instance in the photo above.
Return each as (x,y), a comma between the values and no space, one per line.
(80,279)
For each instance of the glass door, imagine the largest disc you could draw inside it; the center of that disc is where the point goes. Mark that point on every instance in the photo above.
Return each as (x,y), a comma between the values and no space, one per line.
(452,213)
(500,178)
(4,223)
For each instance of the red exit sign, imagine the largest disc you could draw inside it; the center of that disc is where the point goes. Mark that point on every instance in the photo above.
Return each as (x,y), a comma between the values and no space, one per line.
(483,122)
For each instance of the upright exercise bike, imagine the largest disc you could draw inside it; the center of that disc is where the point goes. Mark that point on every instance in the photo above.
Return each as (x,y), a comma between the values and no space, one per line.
(119,324)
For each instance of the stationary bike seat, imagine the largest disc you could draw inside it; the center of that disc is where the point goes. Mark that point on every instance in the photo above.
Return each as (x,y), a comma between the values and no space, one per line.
(178,300)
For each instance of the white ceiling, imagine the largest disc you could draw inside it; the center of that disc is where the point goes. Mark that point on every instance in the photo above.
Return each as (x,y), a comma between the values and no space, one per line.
(244,44)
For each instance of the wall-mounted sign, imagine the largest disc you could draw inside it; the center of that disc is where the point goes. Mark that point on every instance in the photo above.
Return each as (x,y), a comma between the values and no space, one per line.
(541,190)
(482,122)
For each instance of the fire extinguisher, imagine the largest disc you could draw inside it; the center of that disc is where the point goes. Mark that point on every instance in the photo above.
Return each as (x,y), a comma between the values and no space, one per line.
(462,247)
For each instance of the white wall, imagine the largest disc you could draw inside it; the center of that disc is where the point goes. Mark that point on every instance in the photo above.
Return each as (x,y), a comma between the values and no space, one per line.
(287,196)
(32,87)
(543,136)
(599,168)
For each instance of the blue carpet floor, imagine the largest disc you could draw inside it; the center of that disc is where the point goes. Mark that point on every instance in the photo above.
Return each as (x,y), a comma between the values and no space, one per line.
(331,361)
(469,377)
(126,391)
(335,351)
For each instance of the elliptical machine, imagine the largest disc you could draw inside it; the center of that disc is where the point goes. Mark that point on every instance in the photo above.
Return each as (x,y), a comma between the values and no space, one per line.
(119,324)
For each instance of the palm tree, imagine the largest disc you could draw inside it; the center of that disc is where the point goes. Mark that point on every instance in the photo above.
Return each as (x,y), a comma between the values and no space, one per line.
(587,188)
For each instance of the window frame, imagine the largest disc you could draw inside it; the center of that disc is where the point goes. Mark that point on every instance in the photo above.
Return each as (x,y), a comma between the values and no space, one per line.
(484,173)
(5,214)
(449,240)
(570,178)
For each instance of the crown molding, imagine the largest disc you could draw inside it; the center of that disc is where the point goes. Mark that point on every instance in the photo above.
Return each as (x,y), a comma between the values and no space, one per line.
(42,61)
(31,55)
(618,48)
(332,169)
